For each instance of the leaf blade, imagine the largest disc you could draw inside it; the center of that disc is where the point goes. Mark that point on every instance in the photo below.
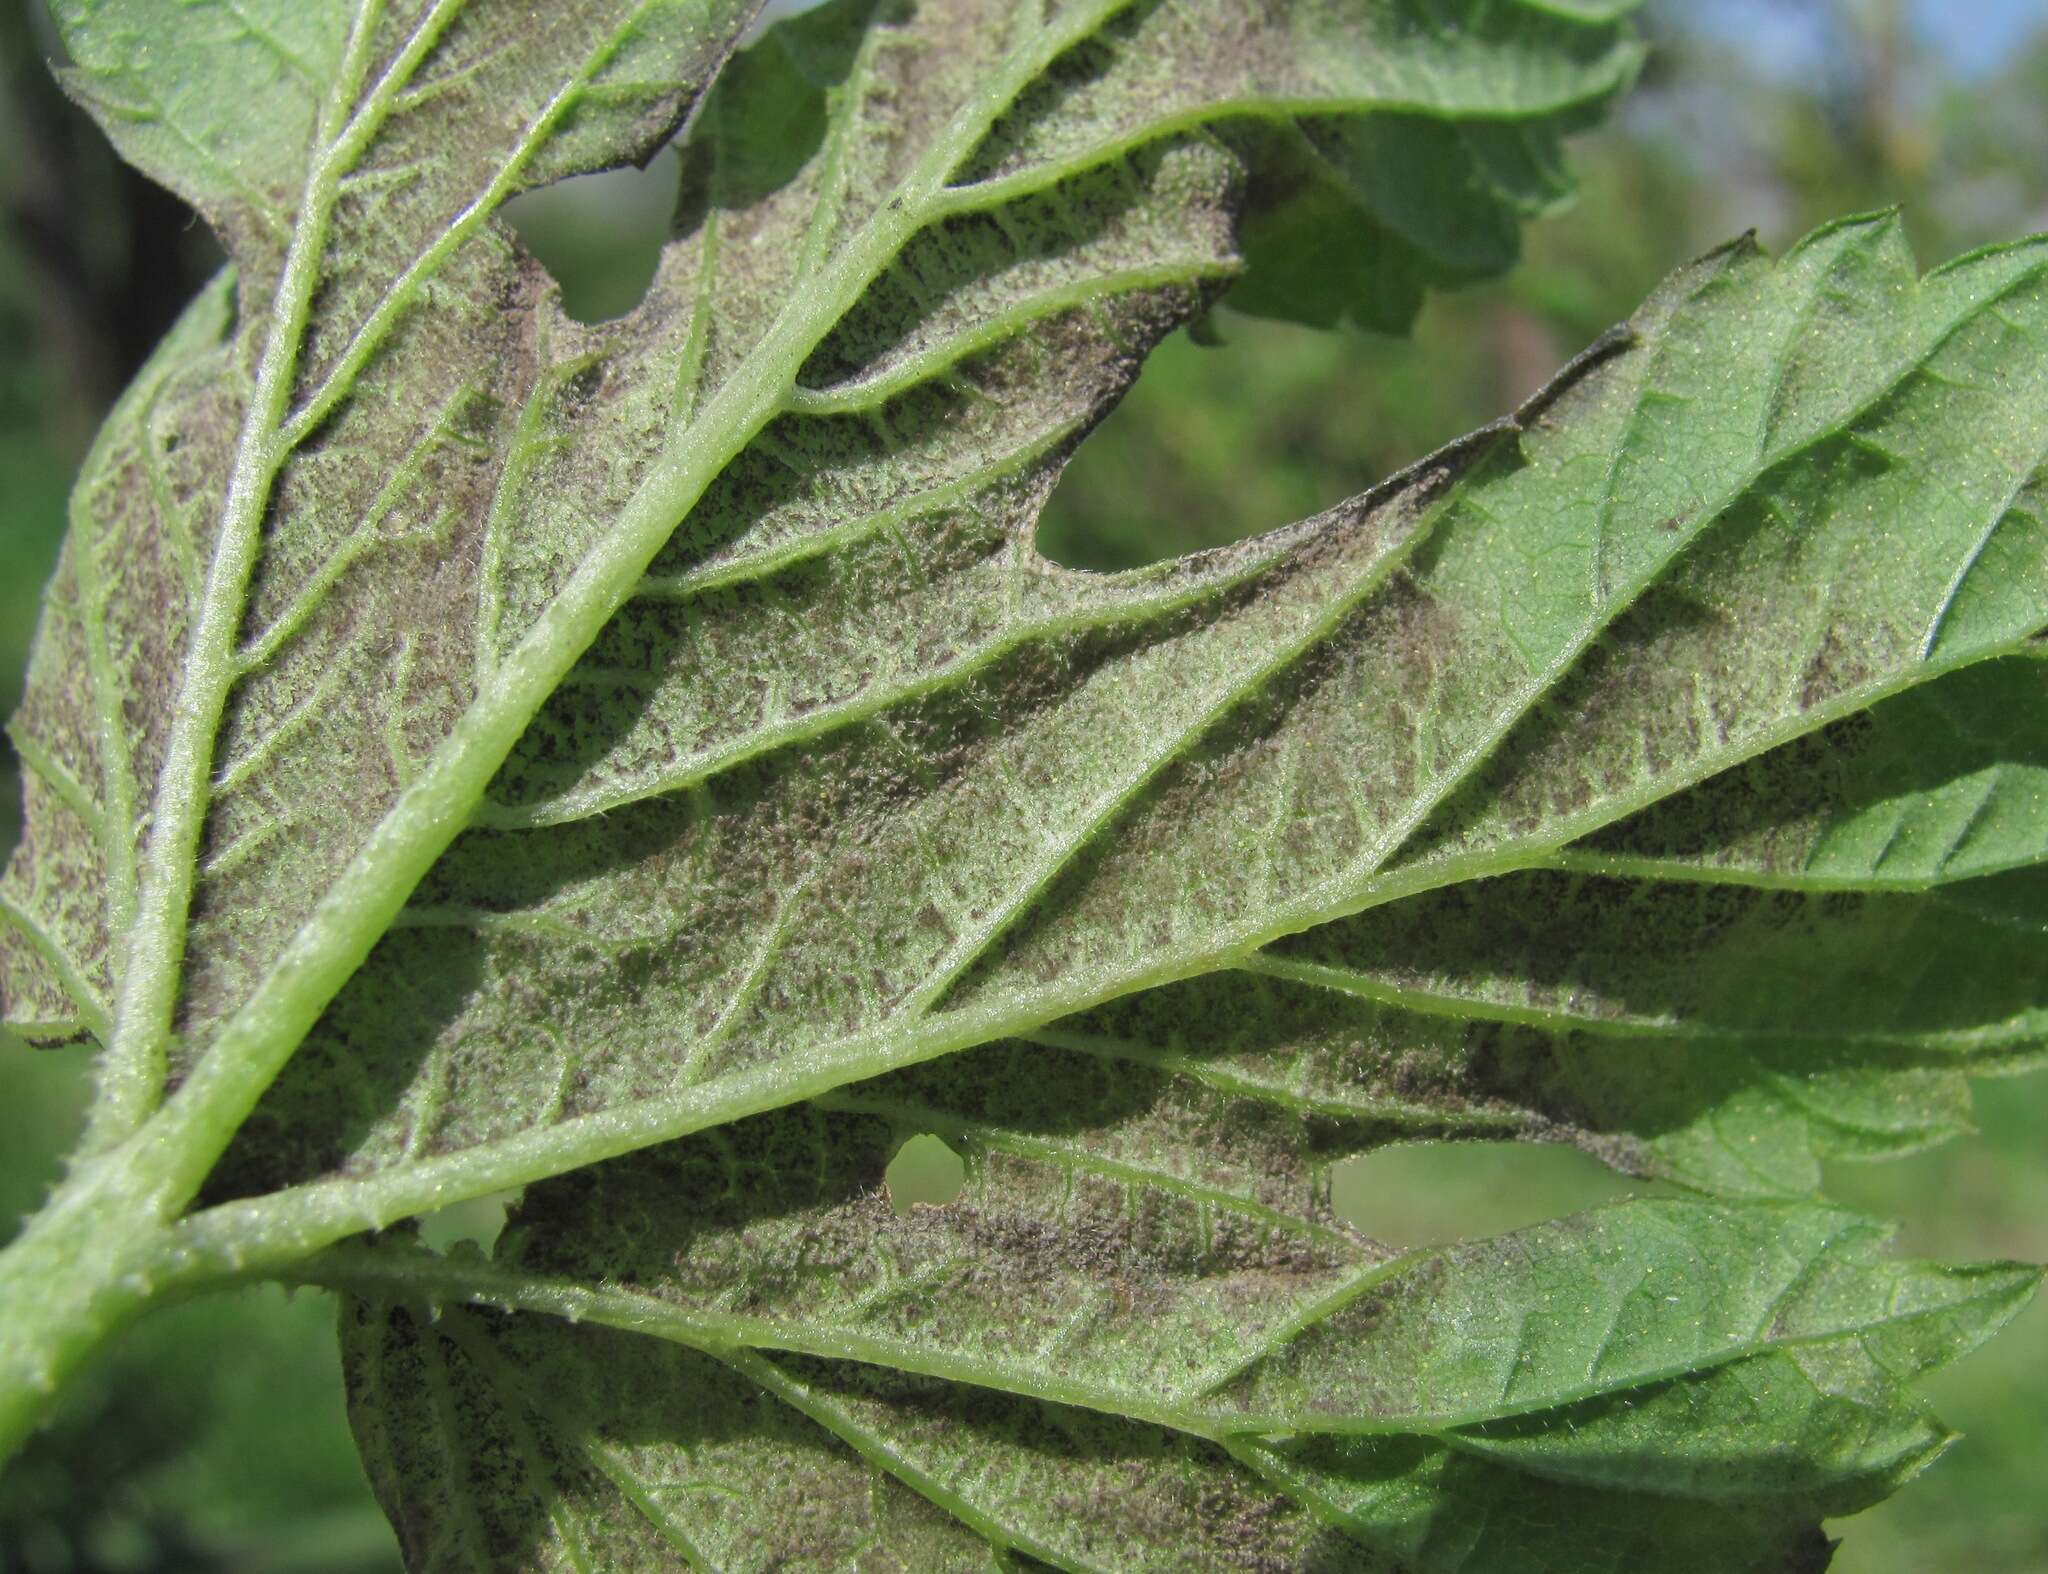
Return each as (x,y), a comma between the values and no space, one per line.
(1042,946)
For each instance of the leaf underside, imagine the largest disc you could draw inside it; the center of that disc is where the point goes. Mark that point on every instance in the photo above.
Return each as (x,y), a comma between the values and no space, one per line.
(667,742)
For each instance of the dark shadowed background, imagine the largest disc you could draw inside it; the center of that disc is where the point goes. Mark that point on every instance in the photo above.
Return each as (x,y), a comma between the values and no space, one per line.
(214,1438)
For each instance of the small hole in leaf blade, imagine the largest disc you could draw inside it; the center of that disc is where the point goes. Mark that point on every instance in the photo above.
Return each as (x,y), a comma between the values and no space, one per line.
(479,1221)
(600,236)
(924,1171)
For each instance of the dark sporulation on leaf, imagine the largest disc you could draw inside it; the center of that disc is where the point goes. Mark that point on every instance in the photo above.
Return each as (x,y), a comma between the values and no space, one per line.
(651,763)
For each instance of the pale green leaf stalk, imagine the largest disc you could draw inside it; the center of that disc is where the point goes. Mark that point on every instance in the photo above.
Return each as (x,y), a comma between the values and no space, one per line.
(650,765)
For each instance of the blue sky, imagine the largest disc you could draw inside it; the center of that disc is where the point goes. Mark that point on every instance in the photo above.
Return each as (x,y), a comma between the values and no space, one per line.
(1979,34)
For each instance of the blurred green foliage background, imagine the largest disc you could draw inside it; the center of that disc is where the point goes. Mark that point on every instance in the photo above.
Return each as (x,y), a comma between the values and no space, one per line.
(214,1438)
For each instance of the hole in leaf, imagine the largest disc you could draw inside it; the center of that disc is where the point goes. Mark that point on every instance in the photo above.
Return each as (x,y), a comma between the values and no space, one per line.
(1212,444)
(600,236)
(479,1221)
(1215,443)
(925,1171)
(1433,1193)
(774,11)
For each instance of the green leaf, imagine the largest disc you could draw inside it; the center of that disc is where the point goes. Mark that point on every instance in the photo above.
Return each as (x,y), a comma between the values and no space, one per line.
(1744,1367)
(523,1443)
(1704,963)
(1052,1278)
(1945,782)
(649,764)
(249,640)
(951,794)
(495,1447)
(222,105)
(359,532)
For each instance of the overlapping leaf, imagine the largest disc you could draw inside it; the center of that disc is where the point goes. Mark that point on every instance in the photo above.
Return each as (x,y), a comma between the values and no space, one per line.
(554,740)
(1738,1368)
(652,1454)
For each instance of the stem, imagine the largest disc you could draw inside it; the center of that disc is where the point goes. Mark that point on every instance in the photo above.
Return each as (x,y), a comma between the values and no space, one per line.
(85,1267)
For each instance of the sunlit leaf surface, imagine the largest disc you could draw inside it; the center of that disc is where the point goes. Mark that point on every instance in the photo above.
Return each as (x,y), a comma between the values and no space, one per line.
(650,763)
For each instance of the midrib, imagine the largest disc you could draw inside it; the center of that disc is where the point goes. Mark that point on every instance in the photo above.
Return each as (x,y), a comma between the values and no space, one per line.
(188,1134)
